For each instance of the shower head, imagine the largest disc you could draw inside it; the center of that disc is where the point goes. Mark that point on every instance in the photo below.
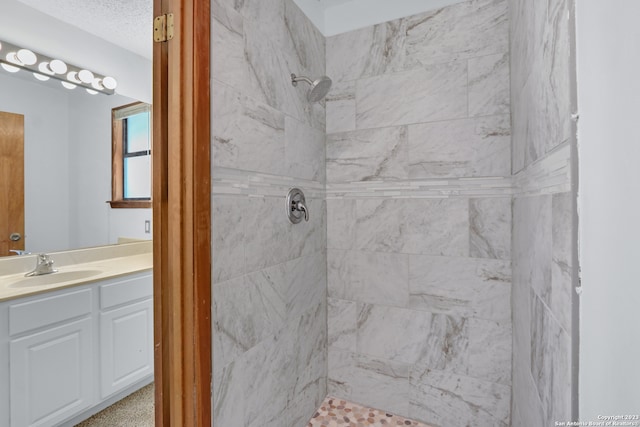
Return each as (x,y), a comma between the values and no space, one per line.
(319,87)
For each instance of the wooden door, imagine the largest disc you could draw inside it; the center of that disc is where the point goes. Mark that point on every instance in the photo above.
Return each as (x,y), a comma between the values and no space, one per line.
(11,182)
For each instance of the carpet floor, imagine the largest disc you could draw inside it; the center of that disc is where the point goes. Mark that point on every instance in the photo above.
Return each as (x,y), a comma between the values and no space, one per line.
(135,410)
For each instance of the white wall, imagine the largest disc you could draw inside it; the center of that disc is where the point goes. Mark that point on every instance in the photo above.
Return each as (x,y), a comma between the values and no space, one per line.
(609,206)
(27,27)
(129,223)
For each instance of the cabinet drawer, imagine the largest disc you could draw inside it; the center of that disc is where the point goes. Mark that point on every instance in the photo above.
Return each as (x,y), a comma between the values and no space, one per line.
(126,291)
(46,311)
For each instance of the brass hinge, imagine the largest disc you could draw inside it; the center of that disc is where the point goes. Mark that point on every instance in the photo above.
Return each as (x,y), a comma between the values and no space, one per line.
(163,28)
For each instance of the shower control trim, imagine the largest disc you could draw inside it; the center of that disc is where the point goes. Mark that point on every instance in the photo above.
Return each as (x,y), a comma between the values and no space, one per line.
(296,206)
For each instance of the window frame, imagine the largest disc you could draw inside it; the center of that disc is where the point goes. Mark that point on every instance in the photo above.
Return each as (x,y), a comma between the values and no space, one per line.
(118,155)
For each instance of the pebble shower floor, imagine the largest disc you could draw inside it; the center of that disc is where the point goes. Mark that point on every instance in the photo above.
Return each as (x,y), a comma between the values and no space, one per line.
(337,412)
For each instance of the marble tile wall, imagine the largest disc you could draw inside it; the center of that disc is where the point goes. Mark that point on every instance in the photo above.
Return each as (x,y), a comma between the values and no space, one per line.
(542,327)
(543,212)
(418,170)
(269,291)
(540,78)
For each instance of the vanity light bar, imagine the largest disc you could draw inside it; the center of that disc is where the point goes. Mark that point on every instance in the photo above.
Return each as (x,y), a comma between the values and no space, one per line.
(14,58)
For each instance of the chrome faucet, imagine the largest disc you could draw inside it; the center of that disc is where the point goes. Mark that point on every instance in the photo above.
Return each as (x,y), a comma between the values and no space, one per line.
(44,265)
(19,252)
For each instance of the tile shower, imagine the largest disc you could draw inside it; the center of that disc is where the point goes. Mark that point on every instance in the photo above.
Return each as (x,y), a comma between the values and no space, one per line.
(398,293)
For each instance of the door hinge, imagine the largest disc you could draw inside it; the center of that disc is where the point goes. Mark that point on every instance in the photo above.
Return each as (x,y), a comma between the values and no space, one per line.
(163,28)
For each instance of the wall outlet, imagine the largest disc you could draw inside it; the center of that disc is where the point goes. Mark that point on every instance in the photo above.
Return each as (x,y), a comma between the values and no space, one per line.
(147,226)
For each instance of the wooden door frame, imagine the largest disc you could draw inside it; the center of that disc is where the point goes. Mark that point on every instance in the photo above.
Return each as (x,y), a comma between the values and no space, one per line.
(182,217)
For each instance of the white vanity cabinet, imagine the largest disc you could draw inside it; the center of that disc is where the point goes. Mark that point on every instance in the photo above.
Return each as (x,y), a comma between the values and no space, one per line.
(65,352)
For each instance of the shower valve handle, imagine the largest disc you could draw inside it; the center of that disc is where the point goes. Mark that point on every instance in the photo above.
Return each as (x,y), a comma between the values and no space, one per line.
(302,208)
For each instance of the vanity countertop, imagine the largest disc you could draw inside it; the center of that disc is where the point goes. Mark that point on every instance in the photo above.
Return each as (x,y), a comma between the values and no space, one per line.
(74,268)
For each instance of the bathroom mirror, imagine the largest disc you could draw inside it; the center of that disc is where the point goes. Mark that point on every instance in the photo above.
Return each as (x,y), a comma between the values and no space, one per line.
(67,134)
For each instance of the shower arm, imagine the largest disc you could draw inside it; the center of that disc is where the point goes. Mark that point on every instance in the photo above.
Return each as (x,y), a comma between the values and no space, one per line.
(295,79)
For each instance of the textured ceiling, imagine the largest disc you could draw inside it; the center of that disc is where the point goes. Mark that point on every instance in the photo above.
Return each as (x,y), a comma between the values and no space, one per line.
(125,23)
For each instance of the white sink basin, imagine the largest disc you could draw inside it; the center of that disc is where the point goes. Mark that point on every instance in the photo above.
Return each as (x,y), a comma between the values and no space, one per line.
(59,277)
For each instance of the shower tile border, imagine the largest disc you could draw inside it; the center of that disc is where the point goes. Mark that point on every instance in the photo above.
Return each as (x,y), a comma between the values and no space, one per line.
(550,175)
(422,189)
(237,182)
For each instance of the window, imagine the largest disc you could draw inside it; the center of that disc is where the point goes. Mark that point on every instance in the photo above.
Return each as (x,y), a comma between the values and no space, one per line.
(131,156)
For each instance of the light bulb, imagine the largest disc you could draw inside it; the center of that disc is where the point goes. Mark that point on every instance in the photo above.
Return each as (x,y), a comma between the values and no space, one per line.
(91,91)
(10,68)
(44,68)
(85,76)
(68,85)
(58,67)
(26,57)
(72,76)
(13,58)
(41,77)
(109,83)
(97,84)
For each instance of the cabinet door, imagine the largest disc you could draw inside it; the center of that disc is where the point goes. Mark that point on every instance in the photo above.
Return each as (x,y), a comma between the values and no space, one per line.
(126,346)
(51,374)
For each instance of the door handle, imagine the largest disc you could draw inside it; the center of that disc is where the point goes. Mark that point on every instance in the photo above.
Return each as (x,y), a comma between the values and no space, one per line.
(14,237)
